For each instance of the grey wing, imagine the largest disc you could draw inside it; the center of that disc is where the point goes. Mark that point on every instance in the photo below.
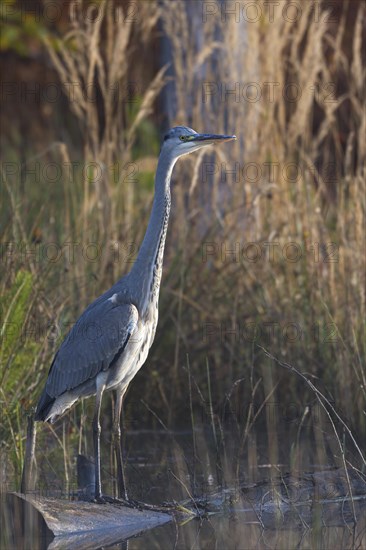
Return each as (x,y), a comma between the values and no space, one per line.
(93,344)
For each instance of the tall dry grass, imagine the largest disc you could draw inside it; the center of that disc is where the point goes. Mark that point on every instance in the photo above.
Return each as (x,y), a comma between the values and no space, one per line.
(91,206)
(293,181)
(314,198)
(96,55)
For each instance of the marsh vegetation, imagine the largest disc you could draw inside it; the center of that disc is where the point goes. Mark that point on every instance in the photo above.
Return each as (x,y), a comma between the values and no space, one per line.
(264,267)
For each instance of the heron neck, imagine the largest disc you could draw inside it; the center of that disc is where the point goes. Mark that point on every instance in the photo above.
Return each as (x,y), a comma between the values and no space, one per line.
(146,273)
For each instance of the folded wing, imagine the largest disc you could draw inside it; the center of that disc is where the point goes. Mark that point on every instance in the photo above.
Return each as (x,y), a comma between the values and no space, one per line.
(93,344)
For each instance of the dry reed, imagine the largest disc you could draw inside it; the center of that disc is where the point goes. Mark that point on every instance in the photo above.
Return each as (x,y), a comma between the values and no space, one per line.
(309,193)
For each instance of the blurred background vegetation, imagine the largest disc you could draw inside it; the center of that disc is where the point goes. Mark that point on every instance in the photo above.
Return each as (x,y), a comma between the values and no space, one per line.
(88,88)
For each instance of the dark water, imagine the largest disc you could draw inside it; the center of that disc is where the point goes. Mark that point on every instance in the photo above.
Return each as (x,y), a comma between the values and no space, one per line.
(226,532)
(238,506)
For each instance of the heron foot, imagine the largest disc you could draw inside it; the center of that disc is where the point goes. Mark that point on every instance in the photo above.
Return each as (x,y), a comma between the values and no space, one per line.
(102,499)
(130,503)
(106,499)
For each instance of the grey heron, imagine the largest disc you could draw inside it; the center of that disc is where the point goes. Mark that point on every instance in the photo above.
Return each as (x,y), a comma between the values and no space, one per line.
(110,341)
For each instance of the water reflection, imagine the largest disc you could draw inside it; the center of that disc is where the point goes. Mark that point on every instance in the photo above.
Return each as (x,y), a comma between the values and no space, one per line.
(230,532)
(251,511)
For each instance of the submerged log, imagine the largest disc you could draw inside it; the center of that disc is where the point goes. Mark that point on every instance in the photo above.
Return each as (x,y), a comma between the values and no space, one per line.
(333,498)
(75,524)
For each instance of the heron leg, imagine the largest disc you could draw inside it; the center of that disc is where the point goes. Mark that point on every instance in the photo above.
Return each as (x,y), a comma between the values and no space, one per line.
(96,438)
(121,485)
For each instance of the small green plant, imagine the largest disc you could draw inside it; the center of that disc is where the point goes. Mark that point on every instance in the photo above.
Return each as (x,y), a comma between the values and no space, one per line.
(18,354)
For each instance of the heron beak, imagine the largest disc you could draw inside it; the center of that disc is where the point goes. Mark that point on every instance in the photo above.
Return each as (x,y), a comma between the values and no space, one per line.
(210,139)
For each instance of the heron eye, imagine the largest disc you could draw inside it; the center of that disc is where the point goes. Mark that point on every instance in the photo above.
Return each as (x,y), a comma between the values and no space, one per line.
(182,138)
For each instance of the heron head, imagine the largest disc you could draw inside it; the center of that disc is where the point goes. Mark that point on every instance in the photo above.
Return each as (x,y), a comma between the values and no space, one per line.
(182,140)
